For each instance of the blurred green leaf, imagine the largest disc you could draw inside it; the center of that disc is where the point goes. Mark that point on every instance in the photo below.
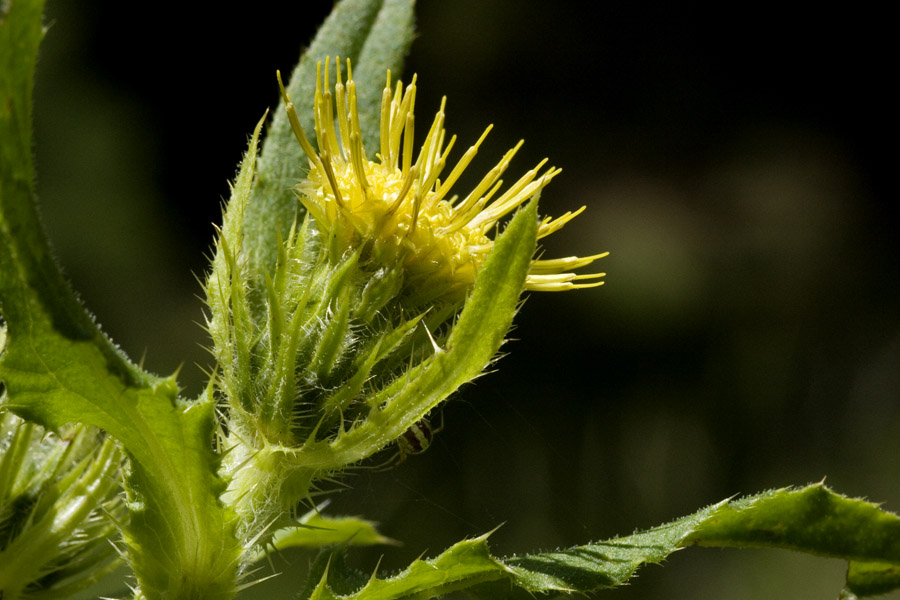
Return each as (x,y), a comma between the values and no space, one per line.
(375,35)
(872,578)
(315,530)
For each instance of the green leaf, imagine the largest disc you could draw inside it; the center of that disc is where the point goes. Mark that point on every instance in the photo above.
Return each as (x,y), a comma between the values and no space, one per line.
(872,578)
(316,530)
(58,367)
(812,519)
(461,566)
(29,277)
(319,530)
(177,527)
(20,35)
(385,48)
(375,35)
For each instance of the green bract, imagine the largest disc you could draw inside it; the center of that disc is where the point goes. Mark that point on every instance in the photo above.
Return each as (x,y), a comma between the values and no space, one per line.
(313,387)
(59,500)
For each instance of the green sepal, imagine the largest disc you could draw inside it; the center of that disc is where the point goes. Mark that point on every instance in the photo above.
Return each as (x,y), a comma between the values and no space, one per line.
(366,360)
(275,341)
(230,324)
(332,339)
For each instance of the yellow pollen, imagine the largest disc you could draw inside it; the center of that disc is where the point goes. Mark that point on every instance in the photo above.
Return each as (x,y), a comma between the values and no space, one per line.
(398,209)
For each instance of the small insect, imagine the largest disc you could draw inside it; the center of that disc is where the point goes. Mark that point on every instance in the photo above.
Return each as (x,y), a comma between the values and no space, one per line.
(414,440)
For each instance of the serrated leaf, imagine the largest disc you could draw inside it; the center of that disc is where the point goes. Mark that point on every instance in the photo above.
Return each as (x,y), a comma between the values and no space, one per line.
(375,35)
(812,519)
(463,565)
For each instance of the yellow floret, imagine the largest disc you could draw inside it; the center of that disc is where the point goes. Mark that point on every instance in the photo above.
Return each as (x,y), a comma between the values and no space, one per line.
(400,211)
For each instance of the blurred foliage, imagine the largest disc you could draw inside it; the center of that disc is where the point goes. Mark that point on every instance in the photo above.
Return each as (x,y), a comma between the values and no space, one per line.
(731,161)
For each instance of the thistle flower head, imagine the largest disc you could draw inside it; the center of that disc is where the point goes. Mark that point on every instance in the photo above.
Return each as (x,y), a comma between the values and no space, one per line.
(392,294)
(399,210)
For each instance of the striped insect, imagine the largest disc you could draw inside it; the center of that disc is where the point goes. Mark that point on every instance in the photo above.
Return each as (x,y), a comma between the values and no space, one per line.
(414,440)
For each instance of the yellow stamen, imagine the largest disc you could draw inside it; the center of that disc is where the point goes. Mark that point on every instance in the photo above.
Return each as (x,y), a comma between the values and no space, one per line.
(400,210)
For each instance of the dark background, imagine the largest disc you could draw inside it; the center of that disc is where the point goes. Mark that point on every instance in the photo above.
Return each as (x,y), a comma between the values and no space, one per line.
(734,161)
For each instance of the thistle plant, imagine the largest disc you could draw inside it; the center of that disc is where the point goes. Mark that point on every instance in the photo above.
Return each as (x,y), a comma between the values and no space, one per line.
(354,287)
